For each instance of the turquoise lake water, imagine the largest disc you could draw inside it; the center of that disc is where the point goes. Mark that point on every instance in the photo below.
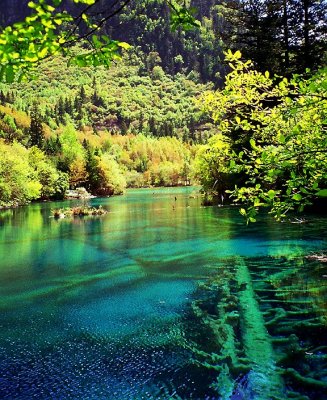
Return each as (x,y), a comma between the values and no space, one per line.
(161,298)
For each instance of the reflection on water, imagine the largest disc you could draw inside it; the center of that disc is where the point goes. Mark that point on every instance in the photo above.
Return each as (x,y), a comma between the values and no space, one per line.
(160,299)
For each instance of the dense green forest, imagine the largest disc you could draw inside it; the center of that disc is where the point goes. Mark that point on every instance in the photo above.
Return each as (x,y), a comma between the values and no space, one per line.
(180,105)
(280,36)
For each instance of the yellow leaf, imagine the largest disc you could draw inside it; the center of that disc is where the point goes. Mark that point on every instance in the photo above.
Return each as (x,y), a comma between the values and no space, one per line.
(31,57)
(124,45)
(42,53)
(238,55)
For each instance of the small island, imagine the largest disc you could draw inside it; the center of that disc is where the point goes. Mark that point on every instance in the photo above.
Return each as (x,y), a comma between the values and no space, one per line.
(78,211)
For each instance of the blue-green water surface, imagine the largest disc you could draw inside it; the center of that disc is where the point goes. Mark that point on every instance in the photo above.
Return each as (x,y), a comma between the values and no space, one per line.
(161,298)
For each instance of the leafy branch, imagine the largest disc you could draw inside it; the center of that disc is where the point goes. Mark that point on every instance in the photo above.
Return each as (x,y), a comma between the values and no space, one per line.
(278,156)
(48,32)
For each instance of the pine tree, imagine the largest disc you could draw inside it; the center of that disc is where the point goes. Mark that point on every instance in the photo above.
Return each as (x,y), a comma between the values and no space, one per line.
(2,98)
(92,169)
(86,144)
(152,126)
(94,83)
(68,106)
(309,30)
(282,36)
(36,128)
(78,105)
(96,99)
(82,95)
(49,146)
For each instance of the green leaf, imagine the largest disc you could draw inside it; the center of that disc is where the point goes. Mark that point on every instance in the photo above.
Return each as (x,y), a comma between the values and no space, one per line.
(252,143)
(271,194)
(42,53)
(31,4)
(297,197)
(96,42)
(322,193)
(79,61)
(281,138)
(183,16)
(257,203)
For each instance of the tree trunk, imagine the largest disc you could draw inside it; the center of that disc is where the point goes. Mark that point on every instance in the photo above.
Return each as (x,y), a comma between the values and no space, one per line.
(286,35)
(306,29)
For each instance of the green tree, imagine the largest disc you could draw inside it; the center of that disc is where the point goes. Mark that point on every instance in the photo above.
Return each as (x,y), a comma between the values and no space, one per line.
(212,168)
(53,182)
(19,183)
(10,128)
(111,178)
(71,148)
(93,170)
(36,128)
(283,36)
(77,172)
(278,133)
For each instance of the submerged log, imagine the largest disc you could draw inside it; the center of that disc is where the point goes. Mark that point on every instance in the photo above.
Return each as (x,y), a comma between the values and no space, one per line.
(317,257)
(305,381)
(257,342)
(244,346)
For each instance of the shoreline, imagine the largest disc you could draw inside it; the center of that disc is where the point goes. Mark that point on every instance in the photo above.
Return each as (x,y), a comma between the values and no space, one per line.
(91,197)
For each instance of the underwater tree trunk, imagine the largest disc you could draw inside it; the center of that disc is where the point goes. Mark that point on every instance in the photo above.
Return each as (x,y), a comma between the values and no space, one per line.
(264,380)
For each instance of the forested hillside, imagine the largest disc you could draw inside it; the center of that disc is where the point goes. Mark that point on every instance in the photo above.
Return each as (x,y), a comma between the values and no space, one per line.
(129,97)
(106,129)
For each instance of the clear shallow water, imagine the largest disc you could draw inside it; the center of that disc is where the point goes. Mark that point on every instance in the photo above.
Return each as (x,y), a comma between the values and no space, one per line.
(161,299)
